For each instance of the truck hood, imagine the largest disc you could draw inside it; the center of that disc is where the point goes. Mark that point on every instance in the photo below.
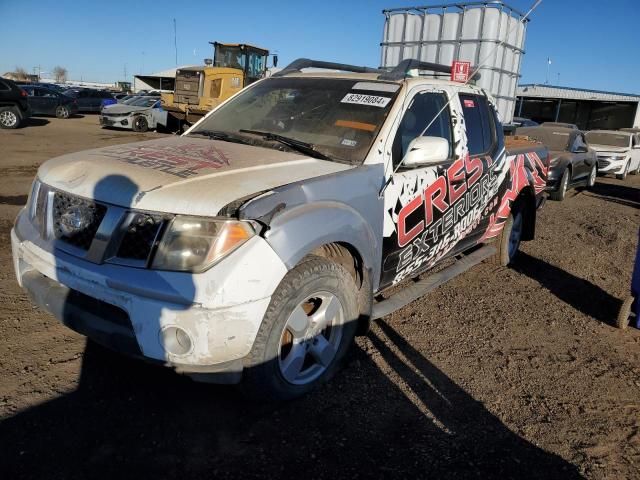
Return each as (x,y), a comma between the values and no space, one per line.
(608,149)
(182,175)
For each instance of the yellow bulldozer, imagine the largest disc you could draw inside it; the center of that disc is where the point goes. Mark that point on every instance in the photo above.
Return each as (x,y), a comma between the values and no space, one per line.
(199,89)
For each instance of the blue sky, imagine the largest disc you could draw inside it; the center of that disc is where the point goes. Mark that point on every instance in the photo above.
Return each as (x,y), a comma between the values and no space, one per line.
(592,44)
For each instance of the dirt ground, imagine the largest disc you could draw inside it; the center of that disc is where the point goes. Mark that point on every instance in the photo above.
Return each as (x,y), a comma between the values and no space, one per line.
(502,373)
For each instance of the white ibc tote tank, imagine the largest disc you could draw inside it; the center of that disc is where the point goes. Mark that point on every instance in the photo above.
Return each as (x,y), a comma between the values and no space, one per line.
(489,32)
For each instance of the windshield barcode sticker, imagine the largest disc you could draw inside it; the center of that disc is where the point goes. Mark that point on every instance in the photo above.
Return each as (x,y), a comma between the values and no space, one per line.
(359,99)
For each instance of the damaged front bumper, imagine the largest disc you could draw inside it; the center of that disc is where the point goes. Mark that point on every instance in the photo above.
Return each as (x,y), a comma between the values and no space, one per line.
(198,324)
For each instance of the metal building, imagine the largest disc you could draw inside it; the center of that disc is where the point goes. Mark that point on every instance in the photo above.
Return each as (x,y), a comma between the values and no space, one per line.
(588,109)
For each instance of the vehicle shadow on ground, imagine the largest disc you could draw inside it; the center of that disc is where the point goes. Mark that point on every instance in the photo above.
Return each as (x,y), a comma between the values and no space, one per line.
(18,200)
(36,122)
(616,193)
(581,294)
(127,419)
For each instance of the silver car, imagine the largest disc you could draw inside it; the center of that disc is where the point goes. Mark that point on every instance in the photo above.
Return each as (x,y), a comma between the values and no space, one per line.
(139,114)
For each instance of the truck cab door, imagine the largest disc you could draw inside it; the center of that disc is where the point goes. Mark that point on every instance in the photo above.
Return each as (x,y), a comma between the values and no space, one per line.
(408,221)
(437,211)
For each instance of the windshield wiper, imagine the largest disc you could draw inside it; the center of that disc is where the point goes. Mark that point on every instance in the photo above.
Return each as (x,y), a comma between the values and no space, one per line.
(220,135)
(300,146)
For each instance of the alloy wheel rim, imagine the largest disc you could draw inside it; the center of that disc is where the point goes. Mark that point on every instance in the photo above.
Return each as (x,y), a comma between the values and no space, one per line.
(8,119)
(311,338)
(592,177)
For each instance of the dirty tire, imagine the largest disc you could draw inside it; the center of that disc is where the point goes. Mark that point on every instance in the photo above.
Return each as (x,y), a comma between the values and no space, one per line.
(622,176)
(508,241)
(10,117)
(624,314)
(592,177)
(263,376)
(559,194)
(140,124)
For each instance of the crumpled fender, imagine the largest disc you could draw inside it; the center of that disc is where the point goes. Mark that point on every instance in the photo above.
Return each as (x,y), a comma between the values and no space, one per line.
(342,207)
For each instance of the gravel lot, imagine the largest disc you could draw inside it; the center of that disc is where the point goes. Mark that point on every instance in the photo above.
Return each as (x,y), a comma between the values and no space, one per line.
(505,373)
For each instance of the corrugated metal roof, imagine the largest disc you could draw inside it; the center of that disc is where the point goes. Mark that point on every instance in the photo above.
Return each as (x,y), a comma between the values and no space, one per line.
(552,91)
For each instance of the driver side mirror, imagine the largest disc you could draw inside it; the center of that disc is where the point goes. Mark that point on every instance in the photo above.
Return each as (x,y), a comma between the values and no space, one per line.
(425,151)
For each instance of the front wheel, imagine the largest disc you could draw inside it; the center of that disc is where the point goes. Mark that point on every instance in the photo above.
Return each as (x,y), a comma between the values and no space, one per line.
(562,188)
(140,124)
(508,242)
(623,175)
(309,326)
(62,112)
(592,177)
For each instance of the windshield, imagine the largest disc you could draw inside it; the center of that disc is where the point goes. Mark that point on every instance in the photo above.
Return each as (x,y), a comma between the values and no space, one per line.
(339,117)
(143,101)
(611,139)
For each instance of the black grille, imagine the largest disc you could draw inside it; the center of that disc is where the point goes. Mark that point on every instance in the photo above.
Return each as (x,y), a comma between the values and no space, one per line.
(141,234)
(66,210)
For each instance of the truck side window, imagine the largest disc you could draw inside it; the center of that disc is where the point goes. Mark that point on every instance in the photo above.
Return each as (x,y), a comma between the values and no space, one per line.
(422,110)
(478,123)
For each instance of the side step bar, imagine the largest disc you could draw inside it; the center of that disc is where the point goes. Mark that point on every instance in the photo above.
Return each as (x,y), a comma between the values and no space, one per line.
(413,292)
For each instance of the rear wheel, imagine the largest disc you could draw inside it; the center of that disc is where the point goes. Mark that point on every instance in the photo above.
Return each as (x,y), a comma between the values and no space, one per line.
(623,175)
(9,117)
(508,242)
(562,187)
(309,325)
(62,112)
(140,124)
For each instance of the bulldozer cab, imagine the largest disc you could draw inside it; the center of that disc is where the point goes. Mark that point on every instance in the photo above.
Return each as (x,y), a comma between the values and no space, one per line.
(251,60)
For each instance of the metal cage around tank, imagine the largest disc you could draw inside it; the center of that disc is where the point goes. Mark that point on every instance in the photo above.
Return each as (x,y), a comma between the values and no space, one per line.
(487,34)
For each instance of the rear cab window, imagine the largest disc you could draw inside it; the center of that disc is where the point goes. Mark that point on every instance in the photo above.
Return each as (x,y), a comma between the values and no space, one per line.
(479,123)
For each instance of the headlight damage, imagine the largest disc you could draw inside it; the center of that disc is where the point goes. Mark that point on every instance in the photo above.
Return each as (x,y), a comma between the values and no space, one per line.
(195,244)
(141,239)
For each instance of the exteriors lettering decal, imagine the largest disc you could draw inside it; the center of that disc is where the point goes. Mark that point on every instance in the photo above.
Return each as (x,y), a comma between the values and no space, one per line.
(472,196)
(184,161)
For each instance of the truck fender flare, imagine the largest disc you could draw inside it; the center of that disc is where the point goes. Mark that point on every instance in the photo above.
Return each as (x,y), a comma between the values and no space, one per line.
(299,231)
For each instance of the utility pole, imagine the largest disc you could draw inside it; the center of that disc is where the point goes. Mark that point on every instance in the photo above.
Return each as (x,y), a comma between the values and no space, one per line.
(175,40)
(548,67)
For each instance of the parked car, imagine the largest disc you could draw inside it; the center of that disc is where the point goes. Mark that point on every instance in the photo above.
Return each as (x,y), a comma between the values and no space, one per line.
(89,100)
(139,115)
(121,95)
(252,247)
(524,122)
(559,124)
(573,163)
(14,106)
(44,101)
(618,152)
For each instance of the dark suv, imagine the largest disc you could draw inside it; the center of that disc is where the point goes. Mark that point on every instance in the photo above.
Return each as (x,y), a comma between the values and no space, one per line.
(45,101)
(14,108)
(89,100)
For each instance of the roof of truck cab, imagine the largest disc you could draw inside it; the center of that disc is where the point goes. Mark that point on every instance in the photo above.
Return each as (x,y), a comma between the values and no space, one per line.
(373,77)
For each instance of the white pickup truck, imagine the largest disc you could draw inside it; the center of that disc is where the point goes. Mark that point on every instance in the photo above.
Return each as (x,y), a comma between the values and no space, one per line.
(250,249)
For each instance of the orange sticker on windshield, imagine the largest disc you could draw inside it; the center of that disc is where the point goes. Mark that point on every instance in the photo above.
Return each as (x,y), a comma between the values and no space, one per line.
(368,127)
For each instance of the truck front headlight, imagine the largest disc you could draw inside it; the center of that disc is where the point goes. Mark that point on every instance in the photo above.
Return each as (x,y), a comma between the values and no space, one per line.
(194,244)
